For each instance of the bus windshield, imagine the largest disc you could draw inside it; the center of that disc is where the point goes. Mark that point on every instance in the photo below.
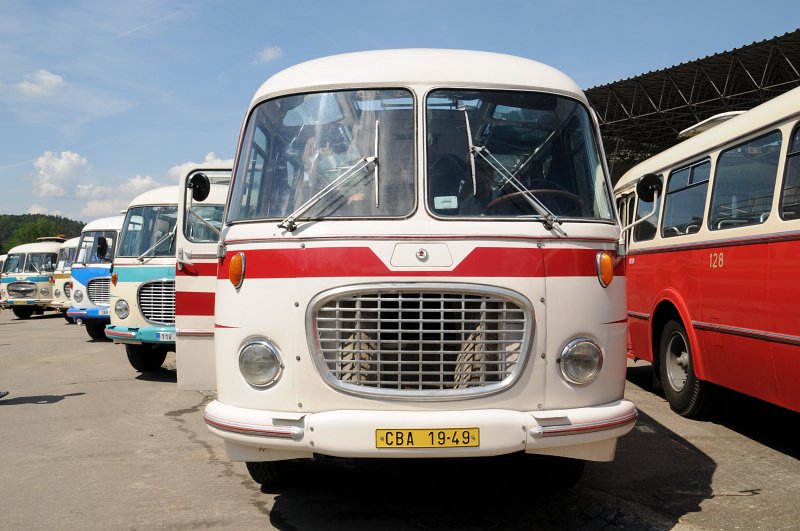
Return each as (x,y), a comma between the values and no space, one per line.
(148,231)
(336,154)
(513,154)
(40,263)
(97,247)
(14,263)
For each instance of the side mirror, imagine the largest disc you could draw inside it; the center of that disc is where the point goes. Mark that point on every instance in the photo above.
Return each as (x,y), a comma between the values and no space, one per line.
(648,186)
(200,186)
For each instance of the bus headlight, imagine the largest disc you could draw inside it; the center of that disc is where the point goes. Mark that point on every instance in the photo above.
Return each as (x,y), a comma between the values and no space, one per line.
(57,292)
(77,295)
(44,291)
(260,362)
(580,361)
(121,309)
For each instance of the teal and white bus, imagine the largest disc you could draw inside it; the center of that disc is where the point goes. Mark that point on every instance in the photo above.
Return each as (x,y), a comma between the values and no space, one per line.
(26,276)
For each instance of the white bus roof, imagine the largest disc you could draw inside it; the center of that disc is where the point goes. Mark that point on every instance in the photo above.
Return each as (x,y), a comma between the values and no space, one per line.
(72,242)
(166,195)
(109,223)
(419,66)
(36,247)
(759,117)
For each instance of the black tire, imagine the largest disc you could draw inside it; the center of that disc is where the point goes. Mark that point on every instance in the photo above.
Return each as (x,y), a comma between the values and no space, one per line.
(69,319)
(687,395)
(276,473)
(22,312)
(95,329)
(145,358)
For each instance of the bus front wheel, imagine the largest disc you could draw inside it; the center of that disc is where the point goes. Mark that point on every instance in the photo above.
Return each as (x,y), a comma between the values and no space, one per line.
(95,329)
(687,395)
(276,473)
(145,358)
(22,312)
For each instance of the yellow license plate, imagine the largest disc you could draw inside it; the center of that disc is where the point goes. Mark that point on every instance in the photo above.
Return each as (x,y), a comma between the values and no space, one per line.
(20,303)
(427,437)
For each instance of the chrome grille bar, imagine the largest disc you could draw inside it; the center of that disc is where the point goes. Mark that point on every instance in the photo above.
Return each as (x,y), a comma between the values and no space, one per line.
(99,290)
(157,301)
(420,340)
(21,290)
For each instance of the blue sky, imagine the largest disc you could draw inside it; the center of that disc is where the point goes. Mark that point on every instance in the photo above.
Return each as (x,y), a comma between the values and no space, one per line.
(101,100)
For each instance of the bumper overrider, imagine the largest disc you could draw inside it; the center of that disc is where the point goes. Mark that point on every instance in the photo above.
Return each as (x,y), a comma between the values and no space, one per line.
(163,335)
(585,433)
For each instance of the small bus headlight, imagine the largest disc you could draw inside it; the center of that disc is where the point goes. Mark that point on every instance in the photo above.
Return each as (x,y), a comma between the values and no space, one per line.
(44,291)
(77,295)
(580,361)
(121,309)
(57,292)
(260,362)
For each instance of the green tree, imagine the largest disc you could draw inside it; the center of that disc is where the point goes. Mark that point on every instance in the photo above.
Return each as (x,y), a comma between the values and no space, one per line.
(29,231)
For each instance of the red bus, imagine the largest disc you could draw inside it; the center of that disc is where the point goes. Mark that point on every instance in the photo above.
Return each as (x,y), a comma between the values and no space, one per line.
(712,299)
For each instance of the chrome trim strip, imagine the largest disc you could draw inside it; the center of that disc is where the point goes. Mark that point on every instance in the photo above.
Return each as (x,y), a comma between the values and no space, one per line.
(194,332)
(758,239)
(117,333)
(588,427)
(773,337)
(276,432)
(638,315)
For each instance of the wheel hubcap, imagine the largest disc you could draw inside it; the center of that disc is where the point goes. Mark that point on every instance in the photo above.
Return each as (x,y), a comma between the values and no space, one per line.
(677,361)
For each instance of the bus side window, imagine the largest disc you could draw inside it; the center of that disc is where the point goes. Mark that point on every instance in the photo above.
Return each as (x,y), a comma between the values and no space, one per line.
(744,183)
(685,200)
(790,198)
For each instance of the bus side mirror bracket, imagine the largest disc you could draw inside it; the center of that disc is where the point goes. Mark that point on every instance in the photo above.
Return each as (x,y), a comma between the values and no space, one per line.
(648,188)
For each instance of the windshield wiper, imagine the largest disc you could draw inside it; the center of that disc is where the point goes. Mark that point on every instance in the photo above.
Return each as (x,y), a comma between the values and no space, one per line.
(550,220)
(161,240)
(289,223)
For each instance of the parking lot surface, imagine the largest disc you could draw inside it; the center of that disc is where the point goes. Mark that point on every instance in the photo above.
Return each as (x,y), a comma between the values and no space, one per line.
(89,443)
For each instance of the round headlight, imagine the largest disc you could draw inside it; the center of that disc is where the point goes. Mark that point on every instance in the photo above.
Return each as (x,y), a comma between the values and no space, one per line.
(121,309)
(57,292)
(44,291)
(260,362)
(580,361)
(77,295)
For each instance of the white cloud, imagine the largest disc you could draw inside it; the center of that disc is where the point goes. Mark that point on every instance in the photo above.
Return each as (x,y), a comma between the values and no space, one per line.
(141,184)
(37,209)
(268,54)
(41,84)
(211,158)
(54,169)
(98,208)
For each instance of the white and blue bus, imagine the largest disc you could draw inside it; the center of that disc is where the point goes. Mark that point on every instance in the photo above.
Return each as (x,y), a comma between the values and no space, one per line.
(91,276)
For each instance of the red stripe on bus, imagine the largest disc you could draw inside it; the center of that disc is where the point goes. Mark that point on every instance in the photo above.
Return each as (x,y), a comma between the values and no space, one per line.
(197,270)
(194,303)
(363,262)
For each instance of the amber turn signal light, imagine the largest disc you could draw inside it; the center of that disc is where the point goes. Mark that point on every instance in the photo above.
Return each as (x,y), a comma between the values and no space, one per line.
(236,270)
(605,268)
(114,278)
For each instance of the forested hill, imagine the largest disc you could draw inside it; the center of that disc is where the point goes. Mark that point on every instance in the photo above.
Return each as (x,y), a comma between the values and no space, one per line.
(25,228)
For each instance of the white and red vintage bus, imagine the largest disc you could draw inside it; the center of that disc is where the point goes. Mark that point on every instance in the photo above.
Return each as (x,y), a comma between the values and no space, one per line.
(712,299)
(418,260)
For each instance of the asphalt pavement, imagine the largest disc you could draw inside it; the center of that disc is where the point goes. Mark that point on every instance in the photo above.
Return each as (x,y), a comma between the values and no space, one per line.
(89,443)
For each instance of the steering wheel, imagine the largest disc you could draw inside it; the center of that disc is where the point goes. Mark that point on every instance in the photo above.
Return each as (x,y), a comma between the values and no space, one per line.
(512,200)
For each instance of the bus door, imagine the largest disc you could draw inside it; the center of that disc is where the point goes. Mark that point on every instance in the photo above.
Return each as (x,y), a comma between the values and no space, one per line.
(200,208)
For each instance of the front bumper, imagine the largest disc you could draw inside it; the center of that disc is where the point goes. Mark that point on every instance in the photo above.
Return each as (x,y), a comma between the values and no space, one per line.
(161,335)
(87,314)
(10,303)
(584,433)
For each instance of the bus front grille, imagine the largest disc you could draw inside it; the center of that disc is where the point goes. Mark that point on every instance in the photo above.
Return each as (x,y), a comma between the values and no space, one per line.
(99,289)
(157,301)
(21,290)
(422,340)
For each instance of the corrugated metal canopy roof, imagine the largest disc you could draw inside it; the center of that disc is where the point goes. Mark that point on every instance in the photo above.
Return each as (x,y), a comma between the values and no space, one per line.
(641,116)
